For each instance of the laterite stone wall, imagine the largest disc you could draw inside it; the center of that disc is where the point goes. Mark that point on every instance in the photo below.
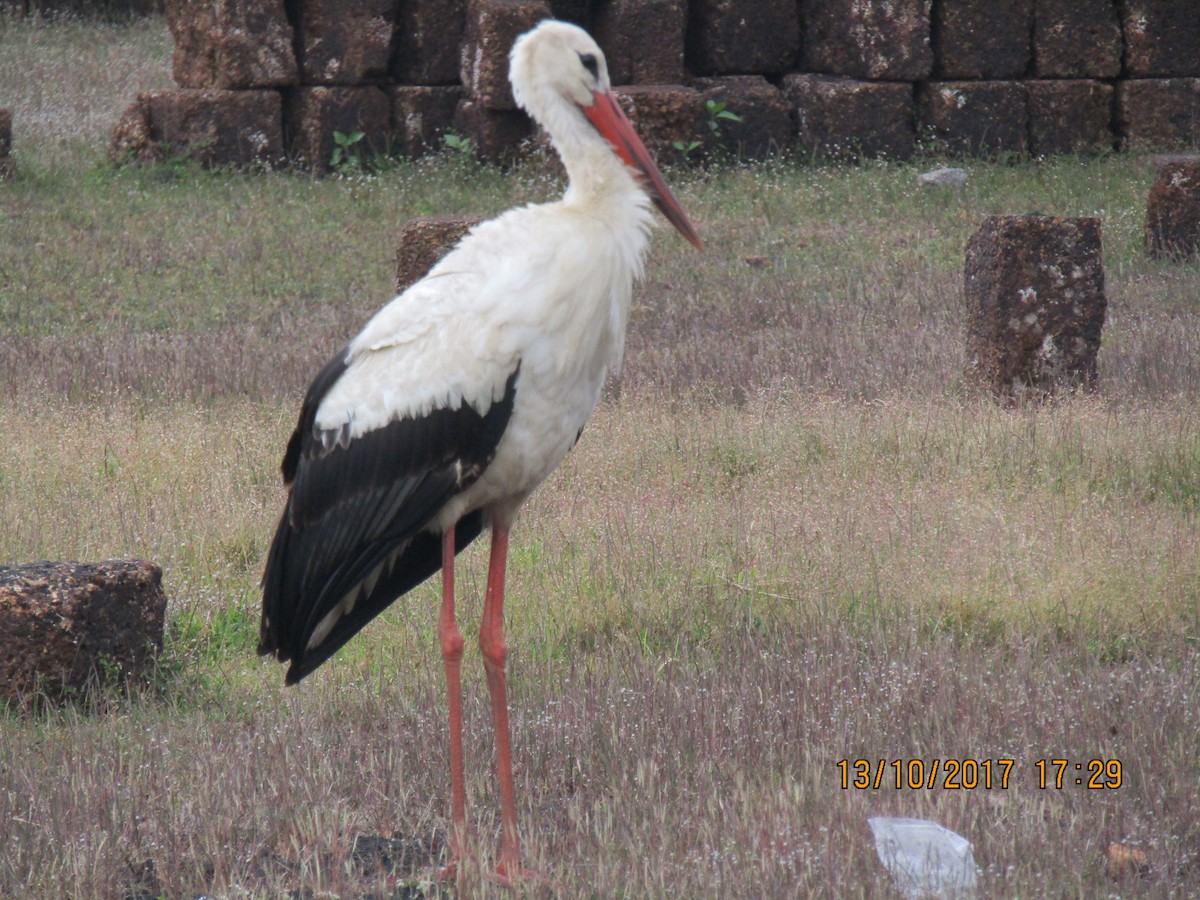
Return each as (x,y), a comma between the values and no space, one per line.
(829,77)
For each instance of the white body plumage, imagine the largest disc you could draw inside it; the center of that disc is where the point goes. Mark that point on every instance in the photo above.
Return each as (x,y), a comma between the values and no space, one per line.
(545,286)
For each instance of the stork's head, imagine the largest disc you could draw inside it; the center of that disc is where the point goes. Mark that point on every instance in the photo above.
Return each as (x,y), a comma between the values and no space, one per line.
(560,77)
(561,58)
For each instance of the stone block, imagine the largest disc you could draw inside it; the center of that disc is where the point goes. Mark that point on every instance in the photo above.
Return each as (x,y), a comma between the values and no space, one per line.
(1069,116)
(1034,289)
(1076,39)
(65,627)
(132,139)
(498,135)
(231,44)
(424,241)
(882,41)
(642,40)
(665,116)
(343,41)
(1162,38)
(313,114)
(427,38)
(974,117)
(728,37)
(125,10)
(215,128)
(766,122)
(578,11)
(1163,113)
(492,27)
(421,115)
(1173,208)
(847,118)
(982,38)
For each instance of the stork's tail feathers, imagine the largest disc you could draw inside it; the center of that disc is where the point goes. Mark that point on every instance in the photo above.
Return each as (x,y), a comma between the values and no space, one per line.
(421,558)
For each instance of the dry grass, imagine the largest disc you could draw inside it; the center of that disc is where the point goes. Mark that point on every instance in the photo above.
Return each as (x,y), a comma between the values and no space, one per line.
(707,773)
(67,81)
(799,581)
(785,540)
(199,286)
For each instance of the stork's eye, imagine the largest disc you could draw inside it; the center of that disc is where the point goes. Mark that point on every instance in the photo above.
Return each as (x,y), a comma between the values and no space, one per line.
(589,63)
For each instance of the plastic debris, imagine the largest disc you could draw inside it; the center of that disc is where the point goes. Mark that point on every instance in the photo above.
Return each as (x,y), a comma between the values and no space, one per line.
(925,859)
(944,177)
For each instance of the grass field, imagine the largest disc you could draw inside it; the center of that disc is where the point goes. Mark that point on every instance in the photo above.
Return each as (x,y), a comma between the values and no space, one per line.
(789,537)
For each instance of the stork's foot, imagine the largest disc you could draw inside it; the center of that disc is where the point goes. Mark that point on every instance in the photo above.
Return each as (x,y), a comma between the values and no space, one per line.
(450,870)
(505,875)
(511,874)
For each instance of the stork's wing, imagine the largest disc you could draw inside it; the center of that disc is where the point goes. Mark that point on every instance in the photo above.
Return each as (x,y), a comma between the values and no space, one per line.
(352,538)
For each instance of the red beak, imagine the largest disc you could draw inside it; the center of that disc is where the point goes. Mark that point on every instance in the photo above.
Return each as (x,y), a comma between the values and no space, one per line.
(610,120)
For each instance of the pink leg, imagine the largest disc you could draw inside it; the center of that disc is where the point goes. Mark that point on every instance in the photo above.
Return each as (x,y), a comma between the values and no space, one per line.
(452,653)
(491,642)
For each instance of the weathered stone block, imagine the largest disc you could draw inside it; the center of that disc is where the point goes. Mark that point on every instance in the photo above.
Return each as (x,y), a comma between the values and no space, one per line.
(577,11)
(1076,39)
(215,128)
(974,117)
(668,118)
(1162,38)
(124,10)
(421,116)
(132,140)
(66,626)
(884,41)
(496,134)
(982,38)
(231,44)
(847,118)
(313,114)
(343,41)
(1173,208)
(1163,113)
(642,40)
(7,167)
(766,122)
(1034,288)
(427,39)
(492,27)
(1070,116)
(736,36)
(424,241)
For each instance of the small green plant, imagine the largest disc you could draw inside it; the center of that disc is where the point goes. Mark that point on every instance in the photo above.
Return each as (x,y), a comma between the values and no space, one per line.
(716,112)
(345,159)
(457,142)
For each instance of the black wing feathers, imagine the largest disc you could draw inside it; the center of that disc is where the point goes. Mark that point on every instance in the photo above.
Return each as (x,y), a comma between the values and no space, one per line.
(420,559)
(352,539)
(325,379)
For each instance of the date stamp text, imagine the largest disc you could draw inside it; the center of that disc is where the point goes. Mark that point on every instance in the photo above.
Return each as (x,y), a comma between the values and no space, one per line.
(977,774)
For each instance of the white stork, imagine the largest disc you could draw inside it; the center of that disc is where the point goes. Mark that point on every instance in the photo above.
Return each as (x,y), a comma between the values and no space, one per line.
(461,395)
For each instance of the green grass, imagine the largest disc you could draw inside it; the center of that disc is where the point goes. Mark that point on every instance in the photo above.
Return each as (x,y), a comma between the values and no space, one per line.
(787,538)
